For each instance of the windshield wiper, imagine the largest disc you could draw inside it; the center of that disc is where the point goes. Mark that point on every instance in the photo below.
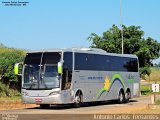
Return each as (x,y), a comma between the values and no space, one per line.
(33,83)
(43,82)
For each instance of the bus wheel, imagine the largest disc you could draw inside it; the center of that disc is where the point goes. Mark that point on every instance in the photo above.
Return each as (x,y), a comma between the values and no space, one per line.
(44,106)
(121,97)
(127,96)
(78,100)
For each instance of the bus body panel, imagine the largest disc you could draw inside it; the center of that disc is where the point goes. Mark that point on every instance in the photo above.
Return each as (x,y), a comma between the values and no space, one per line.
(91,83)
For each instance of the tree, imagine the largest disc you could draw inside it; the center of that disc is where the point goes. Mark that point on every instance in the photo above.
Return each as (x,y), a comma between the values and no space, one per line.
(134,43)
(8,57)
(145,71)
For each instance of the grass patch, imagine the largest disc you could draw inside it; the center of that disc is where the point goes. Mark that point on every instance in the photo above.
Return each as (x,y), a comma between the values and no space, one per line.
(154,76)
(145,89)
(13,98)
(7,94)
(157,102)
(5,91)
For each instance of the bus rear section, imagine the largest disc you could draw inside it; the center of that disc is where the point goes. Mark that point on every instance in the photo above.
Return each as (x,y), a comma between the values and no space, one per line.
(102,76)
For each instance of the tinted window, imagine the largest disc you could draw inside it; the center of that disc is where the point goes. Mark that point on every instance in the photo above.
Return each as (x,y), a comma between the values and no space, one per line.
(68,60)
(131,65)
(81,61)
(51,58)
(67,70)
(85,61)
(33,58)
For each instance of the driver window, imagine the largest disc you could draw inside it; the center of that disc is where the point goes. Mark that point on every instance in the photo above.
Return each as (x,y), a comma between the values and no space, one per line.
(67,71)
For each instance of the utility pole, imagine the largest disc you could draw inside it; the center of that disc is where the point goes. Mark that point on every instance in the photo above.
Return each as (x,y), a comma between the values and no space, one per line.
(121,22)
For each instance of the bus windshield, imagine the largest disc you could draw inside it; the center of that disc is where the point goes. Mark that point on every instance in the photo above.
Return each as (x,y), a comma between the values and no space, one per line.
(40,71)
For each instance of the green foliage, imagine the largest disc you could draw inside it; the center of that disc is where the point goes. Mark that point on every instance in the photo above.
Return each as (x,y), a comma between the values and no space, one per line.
(144,71)
(8,57)
(134,43)
(145,89)
(158,102)
(4,90)
(16,97)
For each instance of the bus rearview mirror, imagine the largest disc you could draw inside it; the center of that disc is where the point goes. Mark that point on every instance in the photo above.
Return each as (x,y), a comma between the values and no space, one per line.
(18,69)
(60,67)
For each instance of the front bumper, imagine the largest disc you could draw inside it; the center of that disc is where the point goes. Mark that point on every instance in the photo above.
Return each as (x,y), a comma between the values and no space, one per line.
(54,99)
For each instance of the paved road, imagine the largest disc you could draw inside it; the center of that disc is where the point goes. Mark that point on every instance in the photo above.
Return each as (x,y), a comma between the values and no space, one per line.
(84,112)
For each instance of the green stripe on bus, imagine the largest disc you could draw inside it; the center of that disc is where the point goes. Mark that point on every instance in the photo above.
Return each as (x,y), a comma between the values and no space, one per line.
(130,81)
(115,76)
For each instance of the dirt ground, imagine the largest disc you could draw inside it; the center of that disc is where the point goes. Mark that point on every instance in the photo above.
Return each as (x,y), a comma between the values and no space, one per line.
(150,109)
(8,105)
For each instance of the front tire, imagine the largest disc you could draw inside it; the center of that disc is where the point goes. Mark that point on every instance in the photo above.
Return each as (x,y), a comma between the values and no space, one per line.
(44,106)
(78,100)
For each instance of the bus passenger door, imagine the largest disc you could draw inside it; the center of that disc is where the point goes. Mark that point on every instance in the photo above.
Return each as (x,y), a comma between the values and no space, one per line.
(67,76)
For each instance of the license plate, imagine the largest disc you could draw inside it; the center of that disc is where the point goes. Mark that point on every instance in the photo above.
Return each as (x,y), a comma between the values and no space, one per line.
(39,100)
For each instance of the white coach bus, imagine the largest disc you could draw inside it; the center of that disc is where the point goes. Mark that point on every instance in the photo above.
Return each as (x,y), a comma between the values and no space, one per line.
(76,75)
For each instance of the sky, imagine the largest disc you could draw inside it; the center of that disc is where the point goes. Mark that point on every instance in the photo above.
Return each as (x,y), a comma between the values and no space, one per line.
(46,24)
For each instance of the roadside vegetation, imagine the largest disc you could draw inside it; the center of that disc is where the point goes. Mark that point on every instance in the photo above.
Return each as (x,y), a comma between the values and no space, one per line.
(158,102)
(9,83)
(145,89)
(152,78)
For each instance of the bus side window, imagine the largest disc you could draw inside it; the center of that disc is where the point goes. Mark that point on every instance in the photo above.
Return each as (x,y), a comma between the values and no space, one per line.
(67,71)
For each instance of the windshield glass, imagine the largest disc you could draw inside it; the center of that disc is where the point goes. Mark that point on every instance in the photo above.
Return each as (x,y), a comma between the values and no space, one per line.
(40,71)
(31,76)
(50,76)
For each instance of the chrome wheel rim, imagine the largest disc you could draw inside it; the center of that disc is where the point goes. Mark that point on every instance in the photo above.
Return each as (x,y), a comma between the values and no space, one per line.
(77,99)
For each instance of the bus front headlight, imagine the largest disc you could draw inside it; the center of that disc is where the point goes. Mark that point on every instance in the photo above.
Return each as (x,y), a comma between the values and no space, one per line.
(54,93)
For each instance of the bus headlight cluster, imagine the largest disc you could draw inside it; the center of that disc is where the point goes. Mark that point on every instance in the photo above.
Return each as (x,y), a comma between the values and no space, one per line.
(54,93)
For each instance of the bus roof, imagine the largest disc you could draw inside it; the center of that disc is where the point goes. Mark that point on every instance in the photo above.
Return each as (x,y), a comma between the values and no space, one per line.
(84,50)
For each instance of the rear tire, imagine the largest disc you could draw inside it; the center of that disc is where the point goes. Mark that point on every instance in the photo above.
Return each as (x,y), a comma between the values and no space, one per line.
(127,96)
(121,97)
(44,106)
